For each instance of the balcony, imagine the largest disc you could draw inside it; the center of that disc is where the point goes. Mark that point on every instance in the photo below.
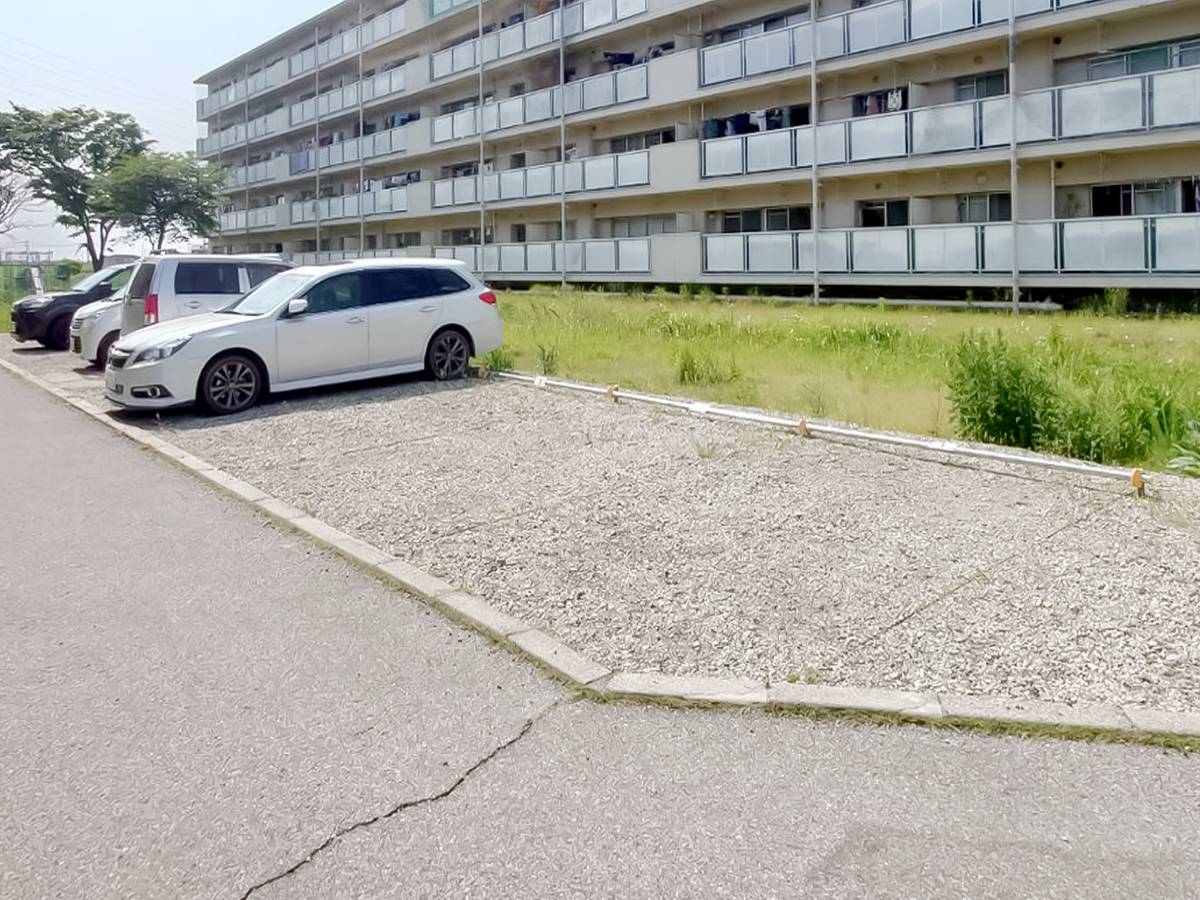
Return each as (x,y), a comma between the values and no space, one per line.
(1139,103)
(857,31)
(350,206)
(597,92)
(347,42)
(629,256)
(534,33)
(386,84)
(247,219)
(382,143)
(267,170)
(337,47)
(596,173)
(1164,245)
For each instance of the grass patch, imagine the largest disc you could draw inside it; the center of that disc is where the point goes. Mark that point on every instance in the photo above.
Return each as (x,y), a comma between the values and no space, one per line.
(1126,388)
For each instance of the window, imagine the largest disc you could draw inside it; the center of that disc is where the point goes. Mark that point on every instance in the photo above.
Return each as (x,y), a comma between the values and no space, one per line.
(642,141)
(776,218)
(258,273)
(773,22)
(207,278)
(447,281)
(403,239)
(141,281)
(642,226)
(518,234)
(979,87)
(394,285)
(334,294)
(882,213)
(984,207)
(1147,198)
(878,102)
(1190,189)
(1138,60)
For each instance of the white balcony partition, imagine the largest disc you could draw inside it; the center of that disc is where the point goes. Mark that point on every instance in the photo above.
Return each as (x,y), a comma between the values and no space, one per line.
(878,137)
(1036,241)
(945,248)
(933,17)
(877,25)
(595,173)
(1175,97)
(771,252)
(1101,107)
(937,129)
(1177,243)
(597,92)
(879,249)
(769,151)
(1104,245)
(529,35)
(593,257)
(831,144)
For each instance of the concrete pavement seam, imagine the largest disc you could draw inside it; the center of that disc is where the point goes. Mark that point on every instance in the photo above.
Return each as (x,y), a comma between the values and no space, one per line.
(405,805)
(593,680)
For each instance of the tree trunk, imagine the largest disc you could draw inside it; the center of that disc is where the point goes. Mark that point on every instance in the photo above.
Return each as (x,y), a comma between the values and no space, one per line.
(162,237)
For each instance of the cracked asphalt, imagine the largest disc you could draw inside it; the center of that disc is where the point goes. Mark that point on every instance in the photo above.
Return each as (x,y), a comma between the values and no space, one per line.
(198,704)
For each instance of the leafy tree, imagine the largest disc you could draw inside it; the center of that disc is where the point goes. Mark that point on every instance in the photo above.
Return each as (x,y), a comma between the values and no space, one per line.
(164,195)
(61,153)
(14,197)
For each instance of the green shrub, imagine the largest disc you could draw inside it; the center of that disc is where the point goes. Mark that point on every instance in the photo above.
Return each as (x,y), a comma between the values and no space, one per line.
(499,360)
(1000,395)
(700,367)
(1188,460)
(548,359)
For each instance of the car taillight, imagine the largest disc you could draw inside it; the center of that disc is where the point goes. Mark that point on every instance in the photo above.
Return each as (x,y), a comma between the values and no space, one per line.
(151,317)
(488,297)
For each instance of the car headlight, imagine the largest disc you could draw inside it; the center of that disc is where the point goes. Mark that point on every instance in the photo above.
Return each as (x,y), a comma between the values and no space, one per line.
(161,352)
(35,304)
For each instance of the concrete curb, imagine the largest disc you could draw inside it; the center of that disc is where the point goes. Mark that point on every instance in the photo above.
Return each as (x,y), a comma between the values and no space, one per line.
(583,675)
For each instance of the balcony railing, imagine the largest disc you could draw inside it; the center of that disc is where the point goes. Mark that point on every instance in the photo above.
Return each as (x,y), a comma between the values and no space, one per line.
(596,173)
(1166,99)
(1129,244)
(382,143)
(595,257)
(246,175)
(246,219)
(868,28)
(350,206)
(385,84)
(340,45)
(599,91)
(534,33)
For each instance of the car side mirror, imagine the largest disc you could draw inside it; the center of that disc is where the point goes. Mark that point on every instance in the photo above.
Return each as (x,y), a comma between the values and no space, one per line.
(104,291)
(297,307)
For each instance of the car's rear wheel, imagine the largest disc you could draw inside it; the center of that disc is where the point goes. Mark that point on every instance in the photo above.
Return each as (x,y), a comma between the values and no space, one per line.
(58,334)
(448,355)
(105,346)
(230,384)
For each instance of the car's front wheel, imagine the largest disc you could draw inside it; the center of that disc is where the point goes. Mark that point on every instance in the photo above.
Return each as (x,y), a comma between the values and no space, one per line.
(448,355)
(105,345)
(230,384)
(58,334)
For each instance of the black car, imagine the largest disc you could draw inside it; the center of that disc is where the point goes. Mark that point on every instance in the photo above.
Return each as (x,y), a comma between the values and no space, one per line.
(46,318)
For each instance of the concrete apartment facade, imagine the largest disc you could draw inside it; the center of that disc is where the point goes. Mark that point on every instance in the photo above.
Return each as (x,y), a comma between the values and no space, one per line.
(687,127)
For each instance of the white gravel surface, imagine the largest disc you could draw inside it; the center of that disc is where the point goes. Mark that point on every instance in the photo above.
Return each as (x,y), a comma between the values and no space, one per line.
(661,542)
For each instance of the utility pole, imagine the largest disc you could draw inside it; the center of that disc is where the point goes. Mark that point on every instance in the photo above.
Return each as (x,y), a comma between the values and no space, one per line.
(1013,176)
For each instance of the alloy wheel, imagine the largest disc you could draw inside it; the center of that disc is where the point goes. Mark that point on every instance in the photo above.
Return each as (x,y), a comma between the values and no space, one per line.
(232,386)
(448,356)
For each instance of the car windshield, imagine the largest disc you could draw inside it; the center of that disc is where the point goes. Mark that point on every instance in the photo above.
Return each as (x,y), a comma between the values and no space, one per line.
(268,295)
(86,284)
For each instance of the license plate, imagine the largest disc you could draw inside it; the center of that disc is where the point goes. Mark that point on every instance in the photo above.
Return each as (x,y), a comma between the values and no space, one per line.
(110,384)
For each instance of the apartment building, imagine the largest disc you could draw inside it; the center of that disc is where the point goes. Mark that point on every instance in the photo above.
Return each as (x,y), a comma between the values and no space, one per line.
(693,141)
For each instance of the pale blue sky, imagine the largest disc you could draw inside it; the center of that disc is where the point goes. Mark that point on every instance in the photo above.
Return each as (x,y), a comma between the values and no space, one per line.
(135,56)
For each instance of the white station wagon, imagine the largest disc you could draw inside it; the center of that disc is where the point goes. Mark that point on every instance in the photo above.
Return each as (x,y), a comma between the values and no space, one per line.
(307,327)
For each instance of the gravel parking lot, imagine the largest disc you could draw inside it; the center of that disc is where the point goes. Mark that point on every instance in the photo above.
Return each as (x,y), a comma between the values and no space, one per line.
(662,542)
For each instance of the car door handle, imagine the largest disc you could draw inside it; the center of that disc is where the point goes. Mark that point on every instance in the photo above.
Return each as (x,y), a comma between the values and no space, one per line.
(355,320)
(428,309)
(194,304)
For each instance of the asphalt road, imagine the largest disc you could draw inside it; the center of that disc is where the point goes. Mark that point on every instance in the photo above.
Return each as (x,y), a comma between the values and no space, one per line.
(196,704)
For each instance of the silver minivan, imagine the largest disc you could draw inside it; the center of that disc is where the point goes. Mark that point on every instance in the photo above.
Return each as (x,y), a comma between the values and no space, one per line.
(170,287)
